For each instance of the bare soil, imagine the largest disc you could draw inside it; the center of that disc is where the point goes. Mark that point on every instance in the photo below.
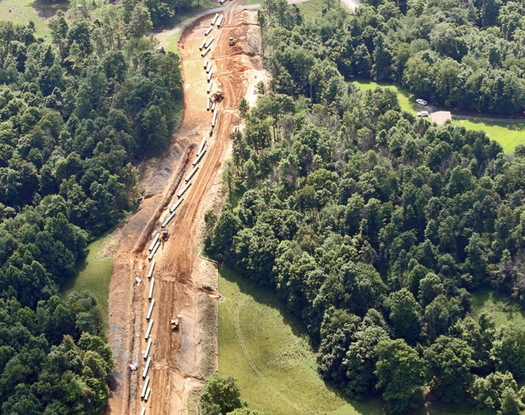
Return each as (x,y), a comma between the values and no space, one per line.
(180,359)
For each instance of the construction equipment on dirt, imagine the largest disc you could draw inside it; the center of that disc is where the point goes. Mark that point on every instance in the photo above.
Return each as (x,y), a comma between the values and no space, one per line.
(217,96)
(232,41)
(175,322)
(164,234)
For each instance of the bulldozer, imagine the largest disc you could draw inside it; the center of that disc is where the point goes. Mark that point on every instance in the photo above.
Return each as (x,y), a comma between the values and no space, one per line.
(217,96)
(232,41)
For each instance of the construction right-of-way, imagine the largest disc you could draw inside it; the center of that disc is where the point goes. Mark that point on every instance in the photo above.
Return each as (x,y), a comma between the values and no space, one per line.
(168,340)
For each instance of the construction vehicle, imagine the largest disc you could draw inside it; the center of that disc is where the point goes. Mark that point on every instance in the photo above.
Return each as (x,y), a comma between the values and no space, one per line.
(175,322)
(232,41)
(164,234)
(217,96)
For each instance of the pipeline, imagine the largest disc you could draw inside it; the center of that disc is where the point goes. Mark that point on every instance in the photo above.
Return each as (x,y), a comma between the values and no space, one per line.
(205,52)
(187,179)
(199,157)
(176,205)
(214,119)
(146,368)
(184,189)
(210,85)
(202,44)
(155,240)
(210,41)
(168,220)
(148,348)
(207,32)
(146,383)
(148,331)
(214,19)
(219,23)
(148,316)
(148,393)
(201,147)
(152,254)
(150,273)
(150,295)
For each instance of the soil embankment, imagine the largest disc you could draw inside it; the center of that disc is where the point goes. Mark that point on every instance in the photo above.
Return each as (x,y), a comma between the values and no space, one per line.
(180,359)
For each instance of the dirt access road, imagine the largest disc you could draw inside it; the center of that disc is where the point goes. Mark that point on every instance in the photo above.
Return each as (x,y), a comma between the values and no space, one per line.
(180,359)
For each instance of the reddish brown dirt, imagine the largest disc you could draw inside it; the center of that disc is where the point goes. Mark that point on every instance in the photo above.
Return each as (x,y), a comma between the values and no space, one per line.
(180,359)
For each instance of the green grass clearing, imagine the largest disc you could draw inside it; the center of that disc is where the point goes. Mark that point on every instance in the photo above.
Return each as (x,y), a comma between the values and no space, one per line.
(170,43)
(94,275)
(507,134)
(275,367)
(25,11)
(273,363)
(311,8)
(497,306)
(406,99)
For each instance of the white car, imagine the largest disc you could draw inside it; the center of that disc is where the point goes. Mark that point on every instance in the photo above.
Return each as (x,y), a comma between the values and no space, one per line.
(423,114)
(421,101)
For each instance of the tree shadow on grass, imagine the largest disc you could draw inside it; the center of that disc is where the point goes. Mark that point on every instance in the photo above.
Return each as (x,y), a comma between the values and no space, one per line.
(47,10)
(267,297)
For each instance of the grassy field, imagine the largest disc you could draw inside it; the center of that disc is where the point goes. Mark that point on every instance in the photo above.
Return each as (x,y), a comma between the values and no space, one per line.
(273,364)
(309,9)
(406,99)
(94,275)
(497,306)
(24,11)
(507,134)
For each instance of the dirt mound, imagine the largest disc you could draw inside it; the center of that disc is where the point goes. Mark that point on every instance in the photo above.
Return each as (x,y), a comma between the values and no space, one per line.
(180,358)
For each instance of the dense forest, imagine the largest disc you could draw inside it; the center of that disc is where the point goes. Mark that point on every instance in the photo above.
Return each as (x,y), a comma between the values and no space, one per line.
(461,54)
(76,116)
(374,226)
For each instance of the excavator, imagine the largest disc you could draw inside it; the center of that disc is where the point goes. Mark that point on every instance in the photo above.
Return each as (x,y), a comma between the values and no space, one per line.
(217,96)
(232,41)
